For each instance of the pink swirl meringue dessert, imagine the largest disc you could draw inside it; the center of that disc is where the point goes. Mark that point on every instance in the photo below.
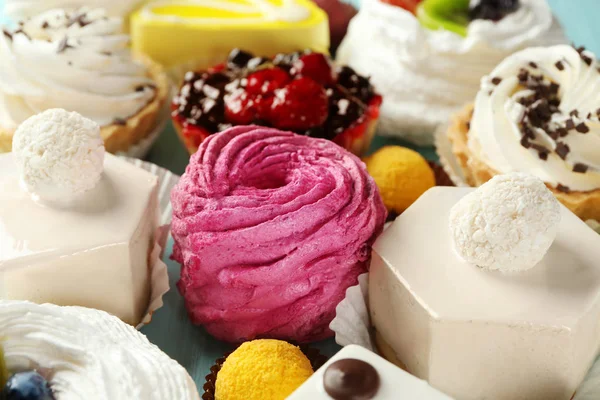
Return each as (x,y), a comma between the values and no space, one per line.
(271,228)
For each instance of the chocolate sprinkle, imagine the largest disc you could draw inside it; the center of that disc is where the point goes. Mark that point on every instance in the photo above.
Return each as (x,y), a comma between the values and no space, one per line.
(580,168)
(63,45)
(496,80)
(564,189)
(574,113)
(525,142)
(562,150)
(120,121)
(542,151)
(582,128)
(523,75)
(562,132)
(7,34)
(570,124)
(559,65)
(78,18)
(45,25)
(22,32)
(533,65)
(586,59)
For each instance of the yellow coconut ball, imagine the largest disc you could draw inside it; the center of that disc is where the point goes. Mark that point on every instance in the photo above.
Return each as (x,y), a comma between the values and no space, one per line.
(262,370)
(401,174)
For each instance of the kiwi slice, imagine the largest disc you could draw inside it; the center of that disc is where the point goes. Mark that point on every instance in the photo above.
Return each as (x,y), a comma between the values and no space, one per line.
(451,15)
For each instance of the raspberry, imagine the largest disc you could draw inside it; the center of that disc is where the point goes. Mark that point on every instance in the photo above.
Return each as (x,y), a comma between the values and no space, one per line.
(315,66)
(410,5)
(266,81)
(240,107)
(263,106)
(301,105)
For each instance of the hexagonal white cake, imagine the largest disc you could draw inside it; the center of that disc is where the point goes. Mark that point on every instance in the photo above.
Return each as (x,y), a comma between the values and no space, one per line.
(480,334)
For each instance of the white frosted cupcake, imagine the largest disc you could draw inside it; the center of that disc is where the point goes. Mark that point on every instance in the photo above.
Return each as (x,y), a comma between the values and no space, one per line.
(82,353)
(79,61)
(428,66)
(537,112)
(19,9)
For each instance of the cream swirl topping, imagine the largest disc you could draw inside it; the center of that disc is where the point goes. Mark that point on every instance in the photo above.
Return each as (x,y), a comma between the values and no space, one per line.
(76,60)
(20,9)
(425,75)
(89,354)
(539,112)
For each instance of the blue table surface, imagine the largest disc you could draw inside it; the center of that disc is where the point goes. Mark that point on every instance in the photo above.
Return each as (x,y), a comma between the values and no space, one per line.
(191,345)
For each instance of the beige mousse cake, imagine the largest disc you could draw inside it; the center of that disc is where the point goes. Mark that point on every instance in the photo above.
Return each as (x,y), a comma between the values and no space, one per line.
(519,323)
(68,244)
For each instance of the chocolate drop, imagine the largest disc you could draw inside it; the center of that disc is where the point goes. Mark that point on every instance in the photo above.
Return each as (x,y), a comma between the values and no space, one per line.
(351,379)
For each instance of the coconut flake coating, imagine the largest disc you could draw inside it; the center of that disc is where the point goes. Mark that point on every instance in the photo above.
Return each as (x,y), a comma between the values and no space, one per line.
(271,228)
(508,224)
(60,154)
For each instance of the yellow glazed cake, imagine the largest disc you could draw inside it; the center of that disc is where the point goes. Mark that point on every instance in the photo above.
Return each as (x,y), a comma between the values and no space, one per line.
(201,33)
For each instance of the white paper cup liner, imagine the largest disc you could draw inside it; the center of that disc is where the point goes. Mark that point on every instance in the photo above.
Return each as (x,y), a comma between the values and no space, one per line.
(594,225)
(352,324)
(448,160)
(158,269)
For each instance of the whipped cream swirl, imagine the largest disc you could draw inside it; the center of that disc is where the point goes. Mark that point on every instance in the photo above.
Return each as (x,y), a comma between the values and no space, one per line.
(425,75)
(19,9)
(78,61)
(89,354)
(539,112)
(272,228)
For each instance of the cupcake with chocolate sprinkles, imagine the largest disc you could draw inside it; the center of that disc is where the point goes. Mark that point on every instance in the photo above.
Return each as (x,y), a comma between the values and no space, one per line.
(79,61)
(263,369)
(538,112)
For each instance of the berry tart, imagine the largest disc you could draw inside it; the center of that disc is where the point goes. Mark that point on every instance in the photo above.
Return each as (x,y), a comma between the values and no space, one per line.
(303,92)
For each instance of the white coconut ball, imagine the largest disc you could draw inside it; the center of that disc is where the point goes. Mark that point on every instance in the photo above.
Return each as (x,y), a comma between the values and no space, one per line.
(507,224)
(60,154)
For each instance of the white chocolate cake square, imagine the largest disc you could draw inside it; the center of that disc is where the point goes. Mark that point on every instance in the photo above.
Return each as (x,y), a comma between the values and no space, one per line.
(94,254)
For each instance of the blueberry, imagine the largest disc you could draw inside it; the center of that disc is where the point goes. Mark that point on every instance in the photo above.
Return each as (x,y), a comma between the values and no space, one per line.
(238,59)
(27,386)
(493,10)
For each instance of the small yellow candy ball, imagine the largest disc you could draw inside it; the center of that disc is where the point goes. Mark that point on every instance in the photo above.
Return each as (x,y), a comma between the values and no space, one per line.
(263,369)
(402,176)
